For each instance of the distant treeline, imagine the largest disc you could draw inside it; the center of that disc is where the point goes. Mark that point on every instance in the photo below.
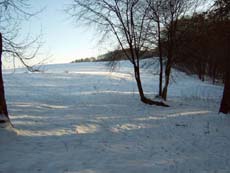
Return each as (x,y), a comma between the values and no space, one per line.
(90,59)
(117,55)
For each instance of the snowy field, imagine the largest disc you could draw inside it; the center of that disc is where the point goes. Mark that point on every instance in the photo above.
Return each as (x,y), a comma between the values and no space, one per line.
(81,118)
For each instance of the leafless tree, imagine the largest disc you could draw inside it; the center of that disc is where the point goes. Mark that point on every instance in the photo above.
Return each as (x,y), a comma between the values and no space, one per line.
(127,20)
(156,14)
(172,11)
(12,12)
(165,14)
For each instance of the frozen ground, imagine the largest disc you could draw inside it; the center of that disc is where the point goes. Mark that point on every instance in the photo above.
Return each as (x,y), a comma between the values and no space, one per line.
(80,118)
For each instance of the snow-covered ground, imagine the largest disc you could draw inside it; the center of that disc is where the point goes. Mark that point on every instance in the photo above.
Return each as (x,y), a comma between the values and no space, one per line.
(81,118)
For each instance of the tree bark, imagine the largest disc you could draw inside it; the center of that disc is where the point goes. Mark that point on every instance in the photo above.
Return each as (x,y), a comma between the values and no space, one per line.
(168,67)
(3,107)
(167,80)
(160,59)
(141,92)
(225,103)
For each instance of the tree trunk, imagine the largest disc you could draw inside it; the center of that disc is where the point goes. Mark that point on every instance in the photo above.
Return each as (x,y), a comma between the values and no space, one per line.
(141,92)
(214,73)
(3,107)
(225,104)
(160,59)
(161,77)
(168,67)
(167,80)
(138,80)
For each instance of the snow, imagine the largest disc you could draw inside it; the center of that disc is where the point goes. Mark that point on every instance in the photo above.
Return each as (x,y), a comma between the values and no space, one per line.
(3,118)
(81,118)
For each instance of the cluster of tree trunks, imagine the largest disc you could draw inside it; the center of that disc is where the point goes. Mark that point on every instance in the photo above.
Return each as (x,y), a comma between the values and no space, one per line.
(141,92)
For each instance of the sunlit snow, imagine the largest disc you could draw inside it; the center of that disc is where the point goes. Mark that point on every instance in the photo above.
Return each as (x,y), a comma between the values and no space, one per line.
(82,118)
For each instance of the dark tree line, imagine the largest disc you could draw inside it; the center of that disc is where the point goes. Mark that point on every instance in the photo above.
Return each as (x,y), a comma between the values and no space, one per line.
(202,46)
(221,12)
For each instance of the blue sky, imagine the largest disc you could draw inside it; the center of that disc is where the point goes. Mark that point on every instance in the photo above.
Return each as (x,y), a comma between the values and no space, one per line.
(64,41)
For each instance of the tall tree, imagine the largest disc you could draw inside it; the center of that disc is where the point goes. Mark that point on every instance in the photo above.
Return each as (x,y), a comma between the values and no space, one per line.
(127,20)
(156,14)
(173,10)
(3,108)
(11,14)
(225,103)
(221,12)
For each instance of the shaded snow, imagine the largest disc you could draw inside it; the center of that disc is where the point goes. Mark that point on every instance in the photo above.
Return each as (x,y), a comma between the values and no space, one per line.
(81,118)
(3,117)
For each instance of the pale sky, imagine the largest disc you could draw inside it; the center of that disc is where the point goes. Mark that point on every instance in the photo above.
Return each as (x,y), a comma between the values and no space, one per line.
(64,41)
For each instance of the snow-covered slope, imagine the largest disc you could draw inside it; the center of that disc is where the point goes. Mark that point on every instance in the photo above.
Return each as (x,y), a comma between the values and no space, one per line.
(81,118)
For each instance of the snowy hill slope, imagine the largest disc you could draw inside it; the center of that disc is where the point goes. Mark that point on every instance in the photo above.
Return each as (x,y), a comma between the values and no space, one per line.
(82,118)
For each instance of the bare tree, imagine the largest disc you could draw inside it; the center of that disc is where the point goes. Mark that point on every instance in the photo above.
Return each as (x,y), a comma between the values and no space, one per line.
(156,14)
(11,14)
(127,20)
(3,108)
(173,10)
